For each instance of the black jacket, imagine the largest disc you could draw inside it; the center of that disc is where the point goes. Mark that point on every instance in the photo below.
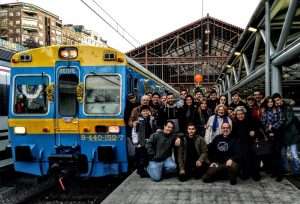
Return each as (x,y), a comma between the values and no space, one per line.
(187,115)
(223,148)
(159,146)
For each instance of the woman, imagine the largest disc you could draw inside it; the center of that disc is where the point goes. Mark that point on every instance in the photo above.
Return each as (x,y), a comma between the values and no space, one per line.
(244,135)
(223,100)
(271,120)
(204,113)
(188,113)
(215,121)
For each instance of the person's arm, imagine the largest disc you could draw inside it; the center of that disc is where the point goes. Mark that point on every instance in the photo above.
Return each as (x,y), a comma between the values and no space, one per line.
(203,150)
(133,117)
(150,146)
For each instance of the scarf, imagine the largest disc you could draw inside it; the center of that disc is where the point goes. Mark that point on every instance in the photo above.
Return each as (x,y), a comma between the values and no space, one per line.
(216,122)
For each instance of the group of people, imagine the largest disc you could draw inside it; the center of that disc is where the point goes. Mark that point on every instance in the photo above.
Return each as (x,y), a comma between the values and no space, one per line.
(204,136)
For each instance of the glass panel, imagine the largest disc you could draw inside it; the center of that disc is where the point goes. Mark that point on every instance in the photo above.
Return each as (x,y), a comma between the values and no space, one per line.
(30,95)
(67,95)
(102,94)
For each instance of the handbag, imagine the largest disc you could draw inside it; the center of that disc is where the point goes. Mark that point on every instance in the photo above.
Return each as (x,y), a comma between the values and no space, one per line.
(262,147)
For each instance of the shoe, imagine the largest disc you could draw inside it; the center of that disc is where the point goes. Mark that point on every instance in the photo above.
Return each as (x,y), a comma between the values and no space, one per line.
(143,173)
(279,178)
(182,177)
(256,177)
(233,182)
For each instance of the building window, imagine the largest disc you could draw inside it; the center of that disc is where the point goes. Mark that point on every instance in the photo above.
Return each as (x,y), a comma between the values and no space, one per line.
(52,23)
(17,22)
(17,39)
(11,14)
(41,34)
(29,22)
(11,39)
(18,13)
(11,30)
(18,30)
(11,23)
(41,26)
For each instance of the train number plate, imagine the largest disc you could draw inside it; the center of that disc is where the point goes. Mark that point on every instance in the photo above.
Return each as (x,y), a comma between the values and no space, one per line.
(99,137)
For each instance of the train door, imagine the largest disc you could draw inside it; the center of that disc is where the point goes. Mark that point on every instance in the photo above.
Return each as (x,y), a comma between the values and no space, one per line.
(67,107)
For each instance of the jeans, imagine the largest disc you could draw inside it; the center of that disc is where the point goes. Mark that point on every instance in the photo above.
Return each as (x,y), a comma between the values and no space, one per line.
(295,163)
(156,169)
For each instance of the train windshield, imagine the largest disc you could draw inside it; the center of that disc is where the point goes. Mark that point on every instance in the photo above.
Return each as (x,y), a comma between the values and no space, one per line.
(102,94)
(30,95)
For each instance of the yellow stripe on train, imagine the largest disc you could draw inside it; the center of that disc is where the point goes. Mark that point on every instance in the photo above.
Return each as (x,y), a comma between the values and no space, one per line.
(52,126)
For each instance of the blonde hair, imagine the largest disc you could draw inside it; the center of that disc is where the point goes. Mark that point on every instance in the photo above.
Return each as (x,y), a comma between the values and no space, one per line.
(221,106)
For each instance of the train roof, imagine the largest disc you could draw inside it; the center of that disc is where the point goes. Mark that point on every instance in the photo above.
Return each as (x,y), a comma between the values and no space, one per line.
(87,55)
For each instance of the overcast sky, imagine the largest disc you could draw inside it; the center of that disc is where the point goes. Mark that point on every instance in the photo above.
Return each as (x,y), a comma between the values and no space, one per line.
(146,20)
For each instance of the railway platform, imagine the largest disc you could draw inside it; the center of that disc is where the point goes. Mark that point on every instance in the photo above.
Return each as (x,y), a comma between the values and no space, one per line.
(171,191)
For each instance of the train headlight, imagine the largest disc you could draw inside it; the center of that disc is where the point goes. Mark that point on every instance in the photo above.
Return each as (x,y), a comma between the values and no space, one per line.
(113,129)
(19,130)
(68,52)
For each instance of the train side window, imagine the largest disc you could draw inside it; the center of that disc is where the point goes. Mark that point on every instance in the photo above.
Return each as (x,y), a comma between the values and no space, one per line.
(30,95)
(67,104)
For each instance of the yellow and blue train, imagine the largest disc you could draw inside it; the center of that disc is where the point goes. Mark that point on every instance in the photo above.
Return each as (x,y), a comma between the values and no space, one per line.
(67,106)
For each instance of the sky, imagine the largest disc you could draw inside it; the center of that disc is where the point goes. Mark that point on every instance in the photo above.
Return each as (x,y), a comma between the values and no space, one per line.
(146,20)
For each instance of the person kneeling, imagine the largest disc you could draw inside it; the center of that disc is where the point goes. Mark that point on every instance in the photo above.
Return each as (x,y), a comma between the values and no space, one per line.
(223,153)
(159,148)
(192,155)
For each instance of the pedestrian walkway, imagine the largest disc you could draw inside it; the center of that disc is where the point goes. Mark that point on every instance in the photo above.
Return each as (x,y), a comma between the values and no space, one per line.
(137,190)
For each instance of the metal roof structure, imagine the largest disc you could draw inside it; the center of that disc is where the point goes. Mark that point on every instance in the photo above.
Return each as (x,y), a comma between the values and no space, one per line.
(200,47)
(267,54)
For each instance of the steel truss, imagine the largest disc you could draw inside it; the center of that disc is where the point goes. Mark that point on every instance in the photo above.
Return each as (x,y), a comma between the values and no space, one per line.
(200,47)
(267,54)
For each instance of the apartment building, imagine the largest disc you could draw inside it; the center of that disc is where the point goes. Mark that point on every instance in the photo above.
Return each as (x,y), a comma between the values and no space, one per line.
(29,25)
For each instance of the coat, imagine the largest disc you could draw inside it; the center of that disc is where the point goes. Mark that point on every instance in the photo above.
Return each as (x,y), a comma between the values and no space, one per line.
(290,131)
(200,147)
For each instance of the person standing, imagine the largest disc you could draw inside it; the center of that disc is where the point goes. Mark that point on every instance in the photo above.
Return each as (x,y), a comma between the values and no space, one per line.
(170,112)
(236,100)
(188,113)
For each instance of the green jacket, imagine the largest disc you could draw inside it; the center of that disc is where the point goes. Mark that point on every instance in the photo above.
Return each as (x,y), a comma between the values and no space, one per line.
(200,146)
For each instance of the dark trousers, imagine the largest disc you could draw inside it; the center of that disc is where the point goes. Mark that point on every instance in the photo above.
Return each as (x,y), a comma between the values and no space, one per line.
(249,162)
(276,159)
(194,171)
(141,159)
(220,172)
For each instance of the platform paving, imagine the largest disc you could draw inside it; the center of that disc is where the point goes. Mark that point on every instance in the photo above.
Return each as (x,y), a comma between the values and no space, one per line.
(142,190)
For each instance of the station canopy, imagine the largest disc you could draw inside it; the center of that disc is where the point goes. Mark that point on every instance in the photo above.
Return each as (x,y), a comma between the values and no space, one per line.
(202,47)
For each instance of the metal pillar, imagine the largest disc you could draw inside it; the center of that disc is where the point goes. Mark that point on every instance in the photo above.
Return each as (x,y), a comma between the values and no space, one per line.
(287,24)
(267,48)
(276,80)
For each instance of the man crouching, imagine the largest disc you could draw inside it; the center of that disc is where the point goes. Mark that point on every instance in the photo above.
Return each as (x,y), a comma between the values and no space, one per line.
(192,155)
(223,154)
(159,148)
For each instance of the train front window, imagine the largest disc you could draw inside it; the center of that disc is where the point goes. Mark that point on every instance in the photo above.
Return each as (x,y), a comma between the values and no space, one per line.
(102,94)
(67,104)
(30,95)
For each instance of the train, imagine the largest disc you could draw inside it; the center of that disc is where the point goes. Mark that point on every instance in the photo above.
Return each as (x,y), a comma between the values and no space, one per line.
(66,110)
(5,150)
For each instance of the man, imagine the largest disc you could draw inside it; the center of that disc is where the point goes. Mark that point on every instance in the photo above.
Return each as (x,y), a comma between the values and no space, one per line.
(145,100)
(156,106)
(213,100)
(258,97)
(192,155)
(223,154)
(159,148)
(289,133)
(198,96)
(170,112)
(183,94)
(236,100)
